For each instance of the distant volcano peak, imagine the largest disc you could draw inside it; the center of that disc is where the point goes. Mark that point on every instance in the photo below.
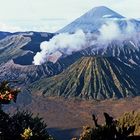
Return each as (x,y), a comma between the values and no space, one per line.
(103,11)
(92,20)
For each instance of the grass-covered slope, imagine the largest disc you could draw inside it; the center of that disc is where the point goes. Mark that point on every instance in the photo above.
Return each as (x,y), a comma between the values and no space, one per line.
(92,78)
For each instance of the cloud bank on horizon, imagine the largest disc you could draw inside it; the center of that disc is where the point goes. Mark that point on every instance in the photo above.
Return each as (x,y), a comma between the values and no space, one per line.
(37,10)
(44,25)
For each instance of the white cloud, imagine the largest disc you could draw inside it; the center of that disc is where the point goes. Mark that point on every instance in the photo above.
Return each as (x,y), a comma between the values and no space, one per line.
(44,25)
(9,28)
(109,31)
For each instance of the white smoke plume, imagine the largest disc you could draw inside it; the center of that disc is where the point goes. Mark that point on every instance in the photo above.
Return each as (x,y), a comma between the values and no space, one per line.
(108,32)
(111,31)
(65,43)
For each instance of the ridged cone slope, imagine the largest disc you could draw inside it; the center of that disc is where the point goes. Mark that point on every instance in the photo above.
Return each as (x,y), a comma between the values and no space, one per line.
(92,78)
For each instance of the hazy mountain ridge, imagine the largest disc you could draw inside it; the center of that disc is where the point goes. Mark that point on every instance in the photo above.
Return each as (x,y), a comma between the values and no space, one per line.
(18,44)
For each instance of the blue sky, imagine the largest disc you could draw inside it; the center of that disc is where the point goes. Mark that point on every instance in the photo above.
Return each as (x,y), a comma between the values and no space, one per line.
(51,15)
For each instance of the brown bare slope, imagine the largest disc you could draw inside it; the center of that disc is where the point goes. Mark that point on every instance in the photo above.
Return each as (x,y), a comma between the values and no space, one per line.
(65,117)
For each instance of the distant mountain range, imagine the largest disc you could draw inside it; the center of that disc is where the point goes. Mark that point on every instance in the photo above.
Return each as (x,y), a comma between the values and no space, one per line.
(110,72)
